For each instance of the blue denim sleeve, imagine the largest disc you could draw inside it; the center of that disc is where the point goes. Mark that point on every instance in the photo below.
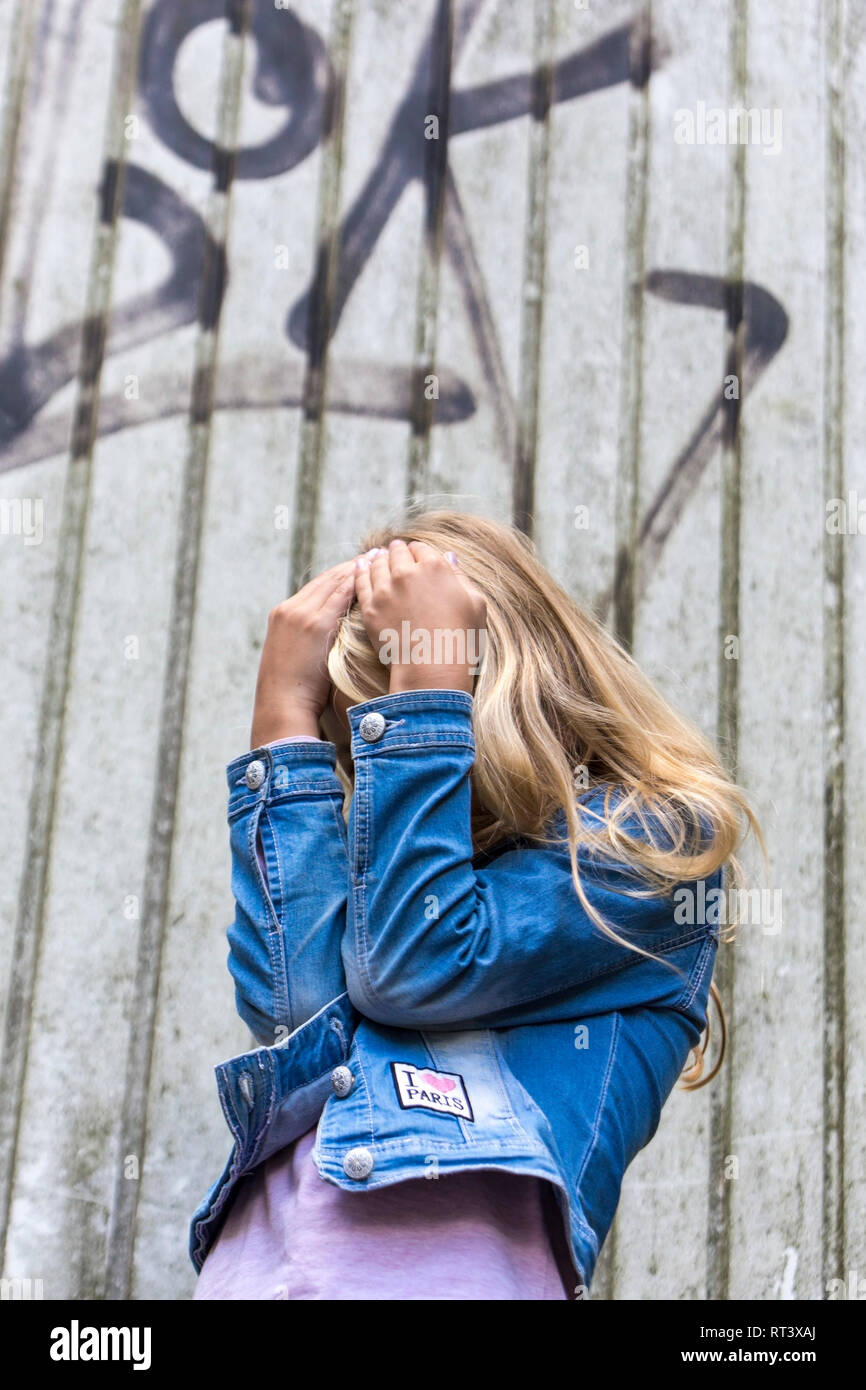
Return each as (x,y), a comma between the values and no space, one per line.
(289,876)
(433,941)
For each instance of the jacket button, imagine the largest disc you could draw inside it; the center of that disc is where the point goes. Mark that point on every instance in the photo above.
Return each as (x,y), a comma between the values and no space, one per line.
(342,1081)
(358,1164)
(372,726)
(255,774)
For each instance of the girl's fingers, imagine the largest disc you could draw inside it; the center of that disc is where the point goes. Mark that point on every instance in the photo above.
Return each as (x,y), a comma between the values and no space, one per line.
(380,568)
(422,551)
(400,558)
(324,582)
(335,601)
(363,582)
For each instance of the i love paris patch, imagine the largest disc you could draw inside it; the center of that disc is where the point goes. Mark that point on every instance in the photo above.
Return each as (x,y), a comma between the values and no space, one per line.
(421,1088)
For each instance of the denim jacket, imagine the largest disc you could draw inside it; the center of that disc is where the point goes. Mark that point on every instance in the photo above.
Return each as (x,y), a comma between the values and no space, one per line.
(432,1010)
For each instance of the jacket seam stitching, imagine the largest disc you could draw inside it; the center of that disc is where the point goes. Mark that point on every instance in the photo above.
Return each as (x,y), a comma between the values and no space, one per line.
(409,741)
(282,999)
(496,1058)
(228,1107)
(341,826)
(360,803)
(274,943)
(367,1099)
(238,805)
(596,1122)
(253,862)
(265,1124)
(687,997)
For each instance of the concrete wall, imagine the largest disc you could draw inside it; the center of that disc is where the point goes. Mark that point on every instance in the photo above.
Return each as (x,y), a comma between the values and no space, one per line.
(229,262)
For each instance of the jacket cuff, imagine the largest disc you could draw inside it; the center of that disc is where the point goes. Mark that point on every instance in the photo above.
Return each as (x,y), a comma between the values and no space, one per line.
(283,769)
(412,718)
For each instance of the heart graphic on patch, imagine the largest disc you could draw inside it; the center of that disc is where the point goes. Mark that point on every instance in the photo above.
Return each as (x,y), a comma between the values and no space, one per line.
(442,1083)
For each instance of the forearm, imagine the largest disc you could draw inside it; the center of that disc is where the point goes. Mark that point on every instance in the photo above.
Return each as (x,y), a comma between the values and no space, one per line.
(276,743)
(434,940)
(410,850)
(289,878)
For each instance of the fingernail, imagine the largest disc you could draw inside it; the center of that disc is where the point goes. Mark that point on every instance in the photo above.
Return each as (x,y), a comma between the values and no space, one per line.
(362,562)
(451,557)
(395,541)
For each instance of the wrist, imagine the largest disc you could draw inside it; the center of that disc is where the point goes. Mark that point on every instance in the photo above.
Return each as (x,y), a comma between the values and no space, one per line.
(431,678)
(284,721)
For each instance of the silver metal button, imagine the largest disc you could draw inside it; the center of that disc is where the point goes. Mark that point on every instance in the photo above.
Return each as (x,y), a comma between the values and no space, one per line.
(358,1164)
(372,726)
(255,774)
(342,1081)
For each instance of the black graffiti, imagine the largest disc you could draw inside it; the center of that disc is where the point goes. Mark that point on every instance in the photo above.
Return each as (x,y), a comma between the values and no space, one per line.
(30,376)
(401,160)
(764,330)
(760,322)
(293,72)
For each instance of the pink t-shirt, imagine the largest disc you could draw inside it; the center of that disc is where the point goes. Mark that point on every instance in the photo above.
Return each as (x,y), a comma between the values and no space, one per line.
(477,1235)
(483,1234)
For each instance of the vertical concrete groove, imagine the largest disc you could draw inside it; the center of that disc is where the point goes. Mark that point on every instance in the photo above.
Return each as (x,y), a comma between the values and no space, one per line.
(50,741)
(833,1186)
(36,213)
(630,408)
(466,267)
(321,304)
(631,402)
(727,718)
(133,1126)
(523,497)
(20,49)
(435,186)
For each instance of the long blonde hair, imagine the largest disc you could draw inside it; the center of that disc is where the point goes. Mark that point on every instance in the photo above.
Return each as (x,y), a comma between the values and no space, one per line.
(559,704)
